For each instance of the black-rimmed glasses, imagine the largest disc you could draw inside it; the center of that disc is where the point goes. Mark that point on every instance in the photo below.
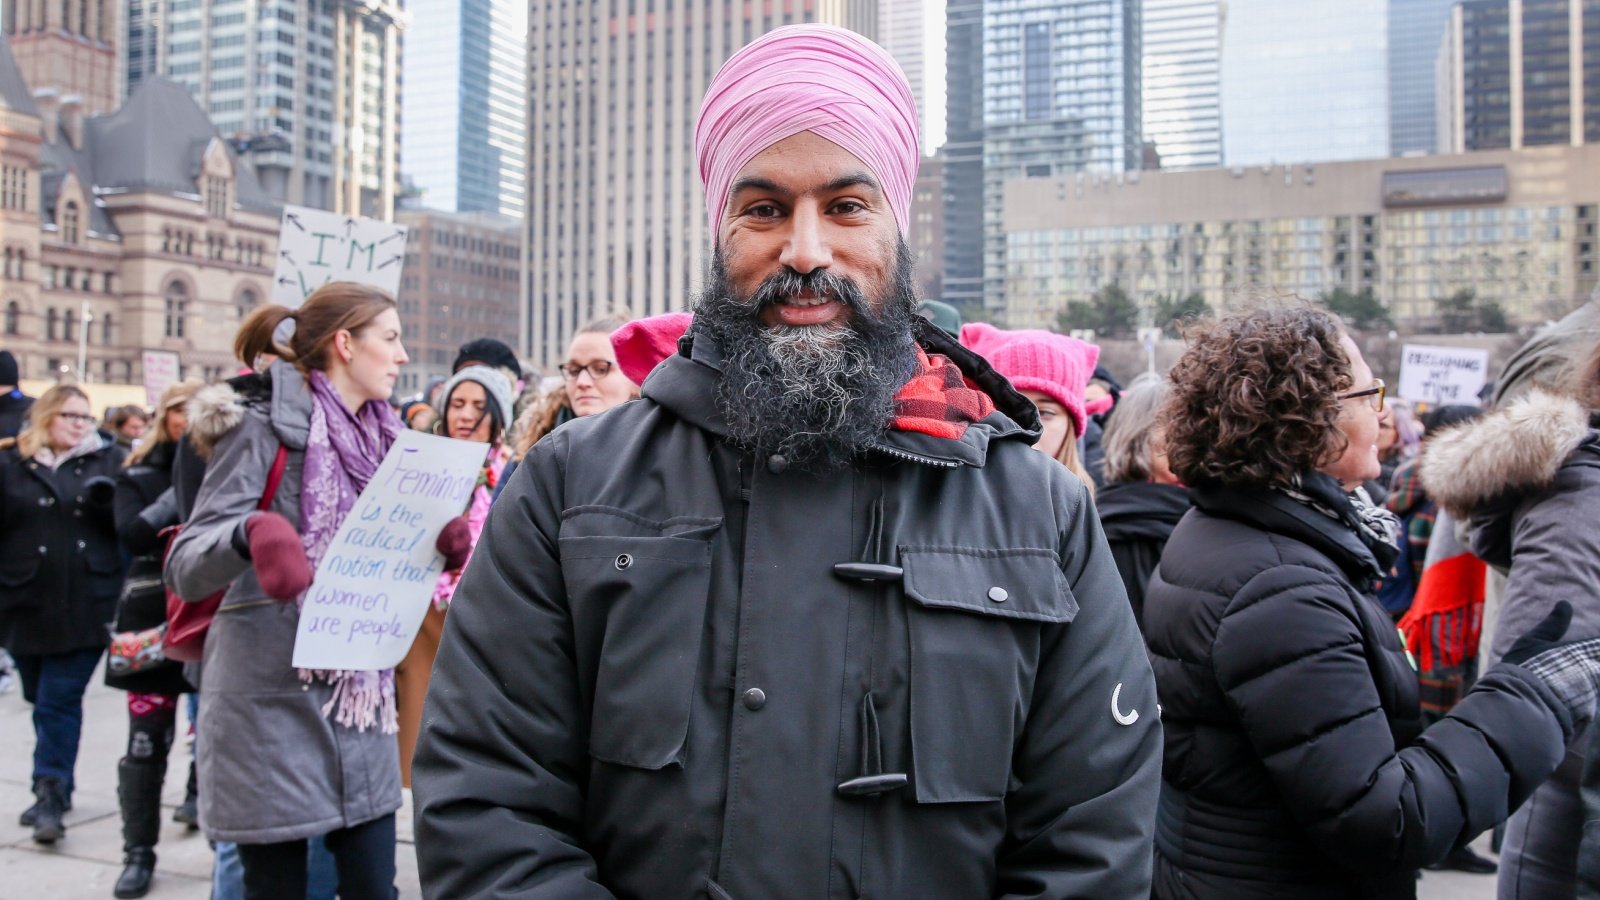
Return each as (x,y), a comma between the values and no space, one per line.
(597,370)
(1373,395)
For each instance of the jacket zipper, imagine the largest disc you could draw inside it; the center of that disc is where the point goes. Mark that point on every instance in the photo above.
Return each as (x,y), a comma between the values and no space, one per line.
(913,457)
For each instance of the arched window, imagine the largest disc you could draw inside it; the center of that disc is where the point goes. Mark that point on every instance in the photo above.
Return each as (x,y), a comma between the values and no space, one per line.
(105,331)
(69,328)
(69,222)
(13,317)
(248,300)
(51,320)
(177,307)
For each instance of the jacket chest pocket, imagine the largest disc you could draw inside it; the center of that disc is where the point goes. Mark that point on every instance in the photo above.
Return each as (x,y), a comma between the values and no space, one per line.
(638,608)
(975,621)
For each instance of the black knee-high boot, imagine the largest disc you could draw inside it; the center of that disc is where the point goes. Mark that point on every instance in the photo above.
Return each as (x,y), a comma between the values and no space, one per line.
(139,790)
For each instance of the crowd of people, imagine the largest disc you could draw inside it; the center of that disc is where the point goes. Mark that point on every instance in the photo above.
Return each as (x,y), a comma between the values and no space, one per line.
(818,590)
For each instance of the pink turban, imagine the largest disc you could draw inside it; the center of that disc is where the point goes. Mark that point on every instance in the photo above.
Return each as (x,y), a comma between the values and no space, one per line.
(818,78)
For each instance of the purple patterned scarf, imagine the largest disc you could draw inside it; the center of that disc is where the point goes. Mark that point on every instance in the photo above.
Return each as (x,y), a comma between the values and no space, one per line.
(343,452)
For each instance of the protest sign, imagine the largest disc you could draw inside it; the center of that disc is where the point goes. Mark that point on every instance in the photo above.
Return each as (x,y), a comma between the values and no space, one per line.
(316,247)
(160,372)
(374,583)
(1442,375)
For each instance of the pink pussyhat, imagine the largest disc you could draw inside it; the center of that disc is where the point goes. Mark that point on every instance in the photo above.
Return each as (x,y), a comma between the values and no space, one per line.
(1055,365)
(643,344)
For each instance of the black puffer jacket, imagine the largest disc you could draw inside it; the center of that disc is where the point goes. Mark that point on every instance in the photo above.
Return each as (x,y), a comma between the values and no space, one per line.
(144,507)
(1295,764)
(60,570)
(1138,518)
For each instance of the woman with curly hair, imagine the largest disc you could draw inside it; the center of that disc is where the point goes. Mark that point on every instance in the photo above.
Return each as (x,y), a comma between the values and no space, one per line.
(1296,762)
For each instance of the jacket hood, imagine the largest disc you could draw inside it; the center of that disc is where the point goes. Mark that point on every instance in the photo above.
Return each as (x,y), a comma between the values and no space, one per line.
(217,409)
(1274,511)
(1136,509)
(1513,450)
(685,382)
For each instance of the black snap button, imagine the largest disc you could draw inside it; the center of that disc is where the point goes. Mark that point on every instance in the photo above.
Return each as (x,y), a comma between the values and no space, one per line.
(624,560)
(777,463)
(755,698)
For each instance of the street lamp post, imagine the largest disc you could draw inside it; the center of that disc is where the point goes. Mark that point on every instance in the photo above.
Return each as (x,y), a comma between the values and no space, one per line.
(83,342)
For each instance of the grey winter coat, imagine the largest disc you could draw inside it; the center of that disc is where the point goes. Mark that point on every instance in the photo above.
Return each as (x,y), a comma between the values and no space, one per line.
(1527,479)
(272,766)
(658,681)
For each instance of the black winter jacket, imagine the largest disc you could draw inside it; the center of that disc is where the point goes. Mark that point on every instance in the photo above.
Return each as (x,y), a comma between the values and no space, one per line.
(655,682)
(60,569)
(144,507)
(1295,764)
(1138,518)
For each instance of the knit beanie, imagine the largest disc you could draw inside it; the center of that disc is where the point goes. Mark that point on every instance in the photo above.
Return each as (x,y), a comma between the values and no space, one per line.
(487,352)
(643,344)
(1055,365)
(495,386)
(8,367)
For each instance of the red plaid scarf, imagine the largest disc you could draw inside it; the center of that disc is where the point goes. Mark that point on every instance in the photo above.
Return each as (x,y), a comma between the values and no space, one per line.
(938,400)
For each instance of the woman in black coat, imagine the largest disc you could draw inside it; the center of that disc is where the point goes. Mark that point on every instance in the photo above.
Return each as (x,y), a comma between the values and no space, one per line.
(1296,762)
(60,573)
(145,507)
(1142,501)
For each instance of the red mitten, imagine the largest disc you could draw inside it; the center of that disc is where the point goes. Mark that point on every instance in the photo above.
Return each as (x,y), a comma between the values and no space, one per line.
(455,543)
(279,557)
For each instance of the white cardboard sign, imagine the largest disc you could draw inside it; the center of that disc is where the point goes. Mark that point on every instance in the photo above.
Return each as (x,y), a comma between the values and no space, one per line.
(316,246)
(1442,375)
(160,372)
(375,580)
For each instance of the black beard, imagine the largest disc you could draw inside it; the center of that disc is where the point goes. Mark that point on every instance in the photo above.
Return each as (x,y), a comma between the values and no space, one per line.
(819,395)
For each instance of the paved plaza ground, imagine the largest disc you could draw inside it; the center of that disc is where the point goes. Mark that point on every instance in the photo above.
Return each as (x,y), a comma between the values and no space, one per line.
(87,862)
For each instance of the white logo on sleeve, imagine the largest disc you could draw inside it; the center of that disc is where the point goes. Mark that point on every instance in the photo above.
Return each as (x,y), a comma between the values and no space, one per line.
(1128,718)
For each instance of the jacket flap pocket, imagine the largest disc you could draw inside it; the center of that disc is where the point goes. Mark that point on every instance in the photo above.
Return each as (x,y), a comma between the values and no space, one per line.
(18,570)
(1020,583)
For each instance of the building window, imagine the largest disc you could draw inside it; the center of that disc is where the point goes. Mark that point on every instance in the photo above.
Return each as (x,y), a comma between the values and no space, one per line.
(177,306)
(69,222)
(248,300)
(69,329)
(51,320)
(217,204)
(105,330)
(13,317)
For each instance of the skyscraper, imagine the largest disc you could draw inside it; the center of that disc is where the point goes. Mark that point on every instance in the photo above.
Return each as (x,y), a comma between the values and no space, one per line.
(900,32)
(1305,81)
(1416,32)
(963,153)
(463,143)
(1060,95)
(69,48)
(308,90)
(616,216)
(1182,109)
(1520,73)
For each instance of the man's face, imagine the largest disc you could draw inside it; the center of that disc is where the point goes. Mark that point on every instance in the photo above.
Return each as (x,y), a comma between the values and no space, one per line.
(807,205)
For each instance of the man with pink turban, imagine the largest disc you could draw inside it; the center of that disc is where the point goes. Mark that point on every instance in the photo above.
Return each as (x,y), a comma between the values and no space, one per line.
(810,618)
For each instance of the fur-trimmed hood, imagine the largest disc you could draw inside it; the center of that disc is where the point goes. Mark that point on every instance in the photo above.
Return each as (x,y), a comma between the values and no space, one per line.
(1514,450)
(217,409)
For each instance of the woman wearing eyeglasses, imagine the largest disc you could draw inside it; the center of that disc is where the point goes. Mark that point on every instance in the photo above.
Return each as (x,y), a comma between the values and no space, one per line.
(1296,762)
(591,382)
(60,575)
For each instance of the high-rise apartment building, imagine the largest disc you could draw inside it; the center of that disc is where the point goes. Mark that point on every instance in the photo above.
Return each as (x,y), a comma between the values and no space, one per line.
(69,47)
(1416,32)
(900,32)
(463,109)
(308,90)
(616,216)
(1182,108)
(1305,81)
(1520,73)
(962,153)
(1060,95)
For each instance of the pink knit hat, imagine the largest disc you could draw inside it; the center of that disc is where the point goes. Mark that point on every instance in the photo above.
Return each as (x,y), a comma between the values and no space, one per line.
(642,344)
(1055,365)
